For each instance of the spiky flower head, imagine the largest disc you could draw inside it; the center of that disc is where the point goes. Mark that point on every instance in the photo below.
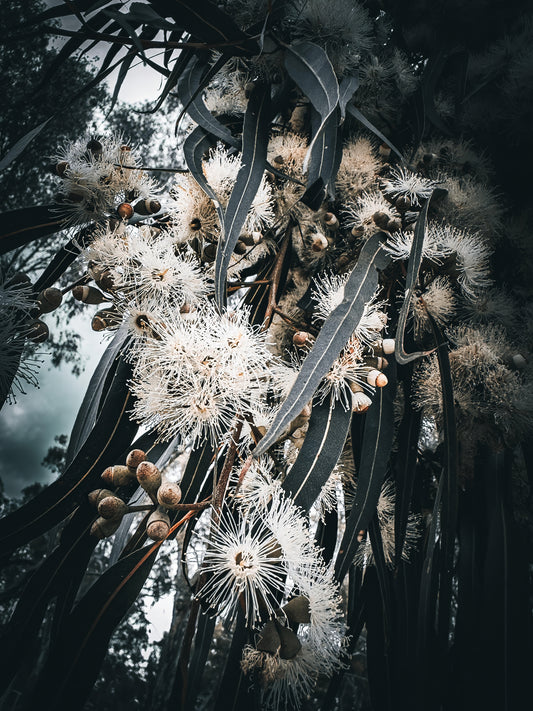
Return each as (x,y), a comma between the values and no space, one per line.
(404,183)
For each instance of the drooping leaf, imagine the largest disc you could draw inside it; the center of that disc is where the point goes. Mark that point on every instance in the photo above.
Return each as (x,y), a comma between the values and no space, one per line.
(195,147)
(309,67)
(20,227)
(75,658)
(235,691)
(378,655)
(249,177)
(203,639)
(190,86)
(375,453)
(333,336)
(207,22)
(347,88)
(322,447)
(351,109)
(324,161)
(112,433)
(15,150)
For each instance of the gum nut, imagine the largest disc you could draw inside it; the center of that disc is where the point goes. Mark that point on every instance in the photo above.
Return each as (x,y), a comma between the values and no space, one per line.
(300,338)
(148,476)
(97,495)
(135,457)
(103,528)
(112,507)
(169,494)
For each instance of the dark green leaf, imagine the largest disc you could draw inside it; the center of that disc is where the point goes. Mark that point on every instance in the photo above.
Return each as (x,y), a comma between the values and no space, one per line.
(22,144)
(333,336)
(347,89)
(249,177)
(413,267)
(322,447)
(324,161)
(202,644)
(376,446)
(20,227)
(362,119)
(112,433)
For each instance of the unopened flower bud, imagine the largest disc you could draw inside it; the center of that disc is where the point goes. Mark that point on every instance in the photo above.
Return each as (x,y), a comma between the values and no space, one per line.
(125,211)
(388,346)
(331,221)
(88,294)
(104,527)
(135,457)
(360,402)
(376,378)
(119,475)
(301,338)
(61,168)
(97,495)
(158,525)
(319,243)
(403,203)
(169,494)
(38,331)
(106,318)
(111,507)
(95,147)
(147,207)
(49,299)
(394,226)
(240,247)
(149,477)
(210,252)
(384,151)
(519,362)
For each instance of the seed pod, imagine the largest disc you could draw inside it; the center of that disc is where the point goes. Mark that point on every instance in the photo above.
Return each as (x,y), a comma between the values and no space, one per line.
(95,147)
(384,151)
(88,294)
(111,507)
(97,495)
(290,644)
(519,362)
(135,457)
(240,247)
(119,475)
(210,252)
(38,332)
(147,207)
(301,338)
(394,226)
(297,610)
(388,346)
(61,168)
(381,219)
(360,402)
(104,527)
(319,243)
(269,640)
(402,203)
(149,477)
(158,525)
(125,211)
(376,378)
(331,221)
(106,318)
(169,494)
(49,299)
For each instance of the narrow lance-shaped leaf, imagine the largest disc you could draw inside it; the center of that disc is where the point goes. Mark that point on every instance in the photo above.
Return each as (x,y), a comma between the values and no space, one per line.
(324,162)
(347,89)
(320,452)
(190,86)
(22,144)
(309,67)
(376,447)
(413,267)
(249,177)
(20,227)
(333,336)
(362,119)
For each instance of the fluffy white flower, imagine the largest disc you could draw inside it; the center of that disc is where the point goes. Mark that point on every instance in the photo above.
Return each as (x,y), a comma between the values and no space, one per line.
(405,183)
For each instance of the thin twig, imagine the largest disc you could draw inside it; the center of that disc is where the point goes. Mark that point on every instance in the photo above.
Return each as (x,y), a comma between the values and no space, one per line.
(275,277)
(228,464)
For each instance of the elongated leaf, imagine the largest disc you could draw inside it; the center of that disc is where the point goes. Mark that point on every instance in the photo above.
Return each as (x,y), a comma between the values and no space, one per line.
(205,21)
(62,260)
(333,336)
(195,472)
(202,644)
(309,67)
(87,414)
(413,267)
(320,452)
(190,87)
(362,119)
(324,161)
(249,177)
(177,70)
(347,88)
(20,227)
(57,571)
(195,147)
(378,659)
(112,433)
(15,150)
(376,446)
(235,692)
(75,658)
